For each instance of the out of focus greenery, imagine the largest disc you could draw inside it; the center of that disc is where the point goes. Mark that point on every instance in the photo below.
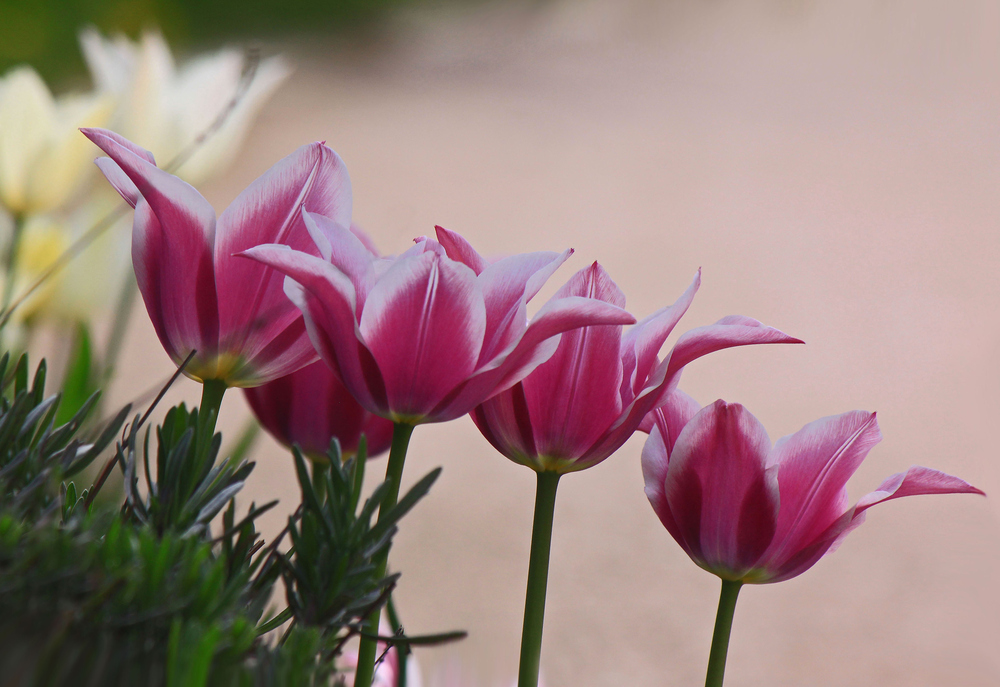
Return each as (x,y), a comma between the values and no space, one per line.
(43,33)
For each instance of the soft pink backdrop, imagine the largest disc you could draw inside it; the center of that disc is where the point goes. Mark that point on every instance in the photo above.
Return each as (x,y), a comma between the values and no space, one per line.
(833,167)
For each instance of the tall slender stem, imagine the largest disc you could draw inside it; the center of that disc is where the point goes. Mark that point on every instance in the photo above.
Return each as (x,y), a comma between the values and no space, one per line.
(723,628)
(212,391)
(393,473)
(538,576)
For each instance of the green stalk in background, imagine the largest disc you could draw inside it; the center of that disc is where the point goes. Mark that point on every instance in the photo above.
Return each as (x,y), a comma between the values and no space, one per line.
(723,628)
(212,391)
(393,474)
(538,577)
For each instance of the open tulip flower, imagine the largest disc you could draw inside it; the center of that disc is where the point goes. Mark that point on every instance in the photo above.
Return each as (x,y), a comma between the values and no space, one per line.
(233,312)
(429,335)
(584,402)
(754,513)
(310,406)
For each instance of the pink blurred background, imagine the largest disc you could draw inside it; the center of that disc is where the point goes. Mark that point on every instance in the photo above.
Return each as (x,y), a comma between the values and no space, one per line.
(833,167)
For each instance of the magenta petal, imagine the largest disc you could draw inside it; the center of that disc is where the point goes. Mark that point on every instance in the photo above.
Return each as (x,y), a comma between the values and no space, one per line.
(721,496)
(424,323)
(310,406)
(539,342)
(94,134)
(187,216)
(174,272)
(573,396)
(326,297)
(345,250)
(676,411)
(728,332)
(253,308)
(508,285)
(915,481)
(642,342)
(119,180)
(460,250)
(505,422)
(814,465)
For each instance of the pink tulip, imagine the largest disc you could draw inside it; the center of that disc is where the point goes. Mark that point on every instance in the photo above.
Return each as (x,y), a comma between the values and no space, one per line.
(311,406)
(581,405)
(750,512)
(429,335)
(232,312)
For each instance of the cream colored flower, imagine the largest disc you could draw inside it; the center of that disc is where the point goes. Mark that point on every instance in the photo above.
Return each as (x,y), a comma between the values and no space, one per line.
(163,108)
(87,284)
(43,158)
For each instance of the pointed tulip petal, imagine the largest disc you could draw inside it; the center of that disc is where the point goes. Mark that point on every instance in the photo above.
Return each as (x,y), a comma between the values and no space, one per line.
(345,250)
(424,323)
(457,248)
(586,368)
(722,497)
(814,465)
(539,342)
(508,285)
(917,480)
(178,207)
(118,179)
(175,276)
(326,298)
(254,309)
(642,342)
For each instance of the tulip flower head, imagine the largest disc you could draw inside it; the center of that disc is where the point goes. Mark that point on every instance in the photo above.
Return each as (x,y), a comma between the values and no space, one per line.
(311,406)
(755,513)
(43,159)
(164,108)
(584,402)
(429,335)
(199,297)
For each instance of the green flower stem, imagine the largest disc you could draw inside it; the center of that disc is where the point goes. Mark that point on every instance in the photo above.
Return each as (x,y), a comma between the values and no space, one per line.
(393,474)
(538,575)
(723,628)
(212,391)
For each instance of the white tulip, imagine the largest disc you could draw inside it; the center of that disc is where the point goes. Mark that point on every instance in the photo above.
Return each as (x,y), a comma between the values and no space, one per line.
(43,158)
(164,108)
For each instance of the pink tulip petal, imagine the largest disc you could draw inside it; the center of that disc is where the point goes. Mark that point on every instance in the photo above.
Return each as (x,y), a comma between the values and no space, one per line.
(539,342)
(120,140)
(508,285)
(642,342)
(814,465)
(174,273)
(457,248)
(326,298)
(119,180)
(585,374)
(506,424)
(253,308)
(424,323)
(189,219)
(917,480)
(345,250)
(721,496)
(728,332)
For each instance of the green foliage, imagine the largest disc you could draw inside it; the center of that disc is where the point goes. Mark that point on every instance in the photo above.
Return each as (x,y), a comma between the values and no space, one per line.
(330,578)
(36,452)
(148,594)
